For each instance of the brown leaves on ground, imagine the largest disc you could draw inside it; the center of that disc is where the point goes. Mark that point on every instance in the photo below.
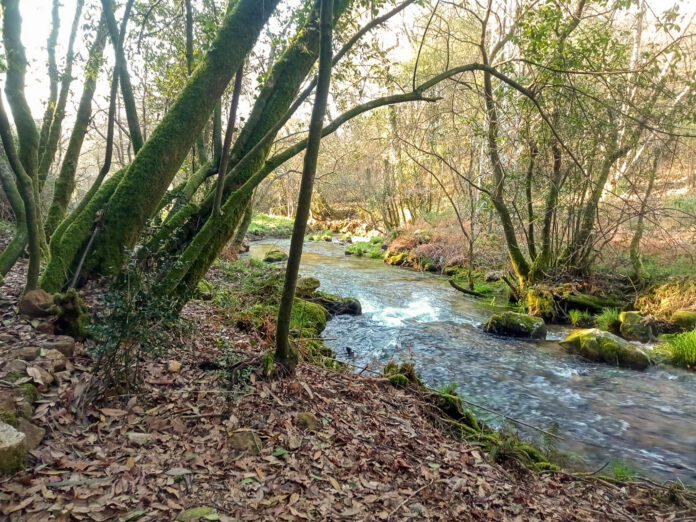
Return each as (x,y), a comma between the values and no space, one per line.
(370,455)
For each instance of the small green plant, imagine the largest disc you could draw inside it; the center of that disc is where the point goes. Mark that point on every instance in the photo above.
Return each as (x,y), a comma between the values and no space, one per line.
(621,471)
(579,317)
(681,348)
(366,249)
(448,389)
(608,319)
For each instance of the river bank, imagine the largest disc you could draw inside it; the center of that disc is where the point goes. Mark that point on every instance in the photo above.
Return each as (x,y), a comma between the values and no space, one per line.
(200,439)
(637,418)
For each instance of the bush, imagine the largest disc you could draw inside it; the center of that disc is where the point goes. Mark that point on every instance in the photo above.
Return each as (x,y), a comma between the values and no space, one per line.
(608,319)
(681,349)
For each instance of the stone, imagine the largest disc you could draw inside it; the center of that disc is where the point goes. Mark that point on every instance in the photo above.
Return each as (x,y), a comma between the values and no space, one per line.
(337,305)
(47,327)
(57,360)
(27,353)
(684,319)
(275,256)
(33,434)
(173,366)
(516,325)
(598,346)
(307,421)
(306,286)
(16,366)
(12,449)
(35,303)
(63,343)
(635,327)
(139,439)
(39,375)
(246,441)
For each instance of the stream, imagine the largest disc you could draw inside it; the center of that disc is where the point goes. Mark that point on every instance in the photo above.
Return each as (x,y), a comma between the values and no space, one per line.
(646,420)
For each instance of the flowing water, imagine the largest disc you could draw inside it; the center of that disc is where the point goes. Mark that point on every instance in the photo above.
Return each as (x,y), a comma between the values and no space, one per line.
(646,420)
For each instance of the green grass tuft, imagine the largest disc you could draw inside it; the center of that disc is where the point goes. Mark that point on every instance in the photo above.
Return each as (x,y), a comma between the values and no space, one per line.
(681,348)
(608,318)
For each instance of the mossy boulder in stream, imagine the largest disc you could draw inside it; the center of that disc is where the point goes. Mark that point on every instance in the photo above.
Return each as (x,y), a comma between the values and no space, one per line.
(306,286)
(275,256)
(337,305)
(684,319)
(308,316)
(635,327)
(598,346)
(516,325)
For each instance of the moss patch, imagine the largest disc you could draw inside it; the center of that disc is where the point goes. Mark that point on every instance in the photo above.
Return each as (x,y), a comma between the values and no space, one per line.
(516,325)
(598,346)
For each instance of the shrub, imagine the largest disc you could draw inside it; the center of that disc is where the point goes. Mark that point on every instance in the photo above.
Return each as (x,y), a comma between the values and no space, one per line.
(579,317)
(681,348)
(608,319)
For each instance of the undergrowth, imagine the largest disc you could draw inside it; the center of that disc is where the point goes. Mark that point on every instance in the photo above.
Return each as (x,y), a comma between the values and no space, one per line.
(264,225)
(608,319)
(681,349)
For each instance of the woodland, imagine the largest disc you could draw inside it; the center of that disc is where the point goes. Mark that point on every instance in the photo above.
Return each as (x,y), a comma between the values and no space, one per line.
(496,194)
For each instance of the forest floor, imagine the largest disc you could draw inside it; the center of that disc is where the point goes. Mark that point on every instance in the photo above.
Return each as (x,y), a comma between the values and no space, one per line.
(321,446)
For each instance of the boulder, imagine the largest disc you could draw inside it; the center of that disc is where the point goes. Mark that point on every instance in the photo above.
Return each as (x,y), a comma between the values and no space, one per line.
(308,315)
(635,327)
(63,343)
(35,303)
(598,346)
(306,286)
(685,319)
(337,305)
(12,449)
(493,275)
(275,256)
(57,360)
(516,325)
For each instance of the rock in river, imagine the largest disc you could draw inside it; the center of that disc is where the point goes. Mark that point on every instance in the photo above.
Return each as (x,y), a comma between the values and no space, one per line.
(599,346)
(516,325)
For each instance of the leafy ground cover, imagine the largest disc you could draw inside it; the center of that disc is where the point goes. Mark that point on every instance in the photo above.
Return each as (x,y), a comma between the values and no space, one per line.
(264,225)
(324,446)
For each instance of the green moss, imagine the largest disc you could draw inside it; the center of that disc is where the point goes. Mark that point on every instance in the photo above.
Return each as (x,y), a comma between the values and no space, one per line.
(14,376)
(264,225)
(684,319)
(599,346)
(71,313)
(608,320)
(306,286)
(516,325)
(634,327)
(540,303)
(399,380)
(366,249)
(9,417)
(30,392)
(308,316)
(396,259)
(275,256)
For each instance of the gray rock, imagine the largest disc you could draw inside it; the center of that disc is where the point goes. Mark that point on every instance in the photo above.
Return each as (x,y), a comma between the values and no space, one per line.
(35,303)
(33,434)
(63,343)
(12,448)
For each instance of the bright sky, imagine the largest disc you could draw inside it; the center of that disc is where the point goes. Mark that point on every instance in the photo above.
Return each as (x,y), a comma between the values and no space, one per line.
(36,16)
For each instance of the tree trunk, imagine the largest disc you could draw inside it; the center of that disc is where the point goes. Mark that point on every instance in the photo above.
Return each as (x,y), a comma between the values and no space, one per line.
(285,355)
(14,249)
(65,183)
(155,165)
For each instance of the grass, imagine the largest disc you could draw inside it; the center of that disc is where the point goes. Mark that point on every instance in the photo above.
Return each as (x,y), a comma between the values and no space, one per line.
(607,319)
(326,235)
(264,225)
(621,471)
(681,349)
(370,249)
(579,317)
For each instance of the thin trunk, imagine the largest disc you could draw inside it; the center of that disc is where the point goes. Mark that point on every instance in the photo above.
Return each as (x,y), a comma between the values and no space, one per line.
(284,354)
(51,144)
(14,249)
(53,76)
(531,242)
(222,168)
(639,271)
(25,186)
(65,183)
(117,39)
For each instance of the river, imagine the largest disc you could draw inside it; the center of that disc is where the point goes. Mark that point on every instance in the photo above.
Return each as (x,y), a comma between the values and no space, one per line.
(646,420)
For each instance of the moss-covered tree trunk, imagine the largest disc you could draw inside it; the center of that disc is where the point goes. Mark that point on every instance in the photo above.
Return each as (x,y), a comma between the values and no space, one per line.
(284,354)
(9,256)
(65,183)
(144,182)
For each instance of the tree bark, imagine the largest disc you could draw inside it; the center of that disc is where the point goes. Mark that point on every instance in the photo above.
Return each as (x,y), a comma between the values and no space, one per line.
(284,354)
(14,249)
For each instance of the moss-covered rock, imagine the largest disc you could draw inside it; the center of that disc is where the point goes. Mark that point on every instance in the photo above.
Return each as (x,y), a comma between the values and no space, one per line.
(308,316)
(635,327)
(516,325)
(397,259)
(306,286)
(684,319)
(275,256)
(71,314)
(12,449)
(35,303)
(336,305)
(598,346)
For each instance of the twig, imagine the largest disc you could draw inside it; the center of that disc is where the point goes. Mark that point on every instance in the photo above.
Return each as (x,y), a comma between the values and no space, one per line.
(409,498)
(464,290)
